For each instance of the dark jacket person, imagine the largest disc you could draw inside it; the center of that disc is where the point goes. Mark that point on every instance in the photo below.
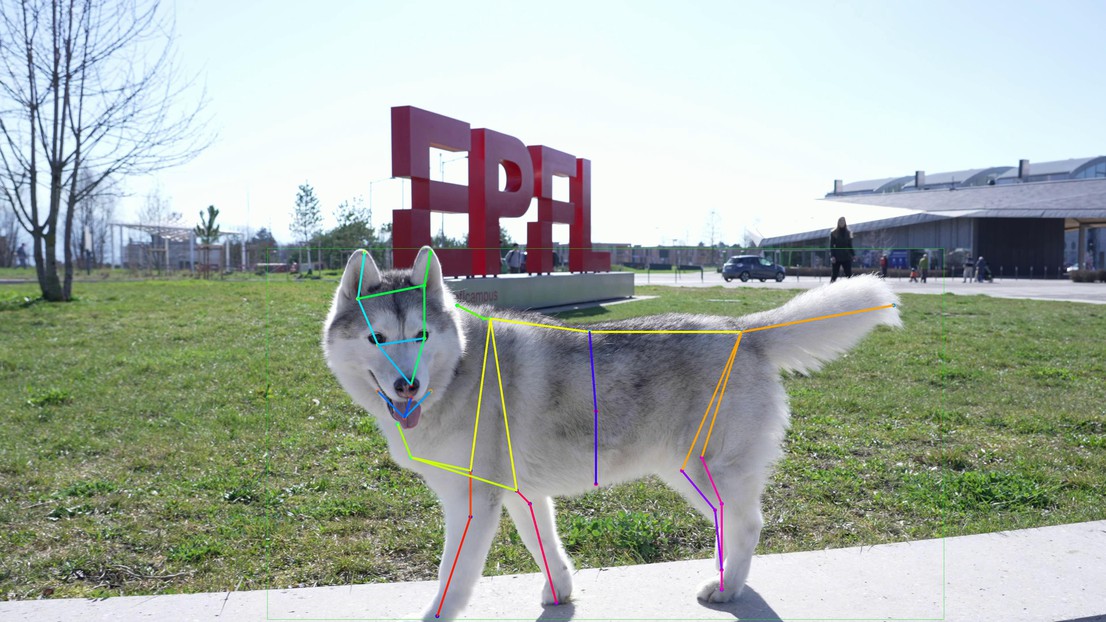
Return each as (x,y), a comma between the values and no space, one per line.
(841,250)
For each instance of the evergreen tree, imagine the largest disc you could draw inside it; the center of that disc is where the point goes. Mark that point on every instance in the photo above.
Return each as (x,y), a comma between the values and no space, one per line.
(306,217)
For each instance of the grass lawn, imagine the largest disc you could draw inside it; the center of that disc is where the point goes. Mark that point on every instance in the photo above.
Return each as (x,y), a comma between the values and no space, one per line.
(183,436)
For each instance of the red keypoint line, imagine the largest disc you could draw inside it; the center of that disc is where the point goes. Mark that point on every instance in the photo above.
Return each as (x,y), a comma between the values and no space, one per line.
(438,613)
(541,547)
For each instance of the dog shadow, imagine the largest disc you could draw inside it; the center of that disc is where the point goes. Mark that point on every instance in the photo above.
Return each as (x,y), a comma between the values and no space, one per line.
(562,612)
(750,606)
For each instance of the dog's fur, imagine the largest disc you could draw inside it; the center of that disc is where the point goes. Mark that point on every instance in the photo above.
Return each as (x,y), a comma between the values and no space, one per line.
(652,391)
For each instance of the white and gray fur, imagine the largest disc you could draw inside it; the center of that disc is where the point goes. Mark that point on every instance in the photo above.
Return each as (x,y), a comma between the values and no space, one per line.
(653,390)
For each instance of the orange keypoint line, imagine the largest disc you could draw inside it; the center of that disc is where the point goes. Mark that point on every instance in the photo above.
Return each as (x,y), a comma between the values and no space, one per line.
(729,364)
(717,405)
(815,319)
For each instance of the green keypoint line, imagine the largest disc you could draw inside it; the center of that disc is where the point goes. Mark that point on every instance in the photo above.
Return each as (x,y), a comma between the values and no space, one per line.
(470,312)
(394,291)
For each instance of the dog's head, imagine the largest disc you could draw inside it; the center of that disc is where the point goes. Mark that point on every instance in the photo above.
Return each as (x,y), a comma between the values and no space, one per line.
(394,338)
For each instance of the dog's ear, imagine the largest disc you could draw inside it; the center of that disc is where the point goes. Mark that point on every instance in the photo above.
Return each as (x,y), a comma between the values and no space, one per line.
(361,275)
(427,270)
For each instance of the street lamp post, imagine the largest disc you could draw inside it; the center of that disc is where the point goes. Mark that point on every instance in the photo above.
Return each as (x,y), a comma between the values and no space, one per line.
(441,171)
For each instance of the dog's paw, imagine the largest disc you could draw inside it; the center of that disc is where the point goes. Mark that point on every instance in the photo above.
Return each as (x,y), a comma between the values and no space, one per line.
(709,592)
(562,581)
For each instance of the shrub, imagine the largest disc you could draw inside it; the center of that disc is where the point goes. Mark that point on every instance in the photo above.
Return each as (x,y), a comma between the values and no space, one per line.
(1087,276)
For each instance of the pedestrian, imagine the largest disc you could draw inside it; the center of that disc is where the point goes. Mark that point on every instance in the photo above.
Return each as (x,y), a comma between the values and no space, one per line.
(21,255)
(841,250)
(923,266)
(969,270)
(514,259)
(883,266)
(980,269)
(913,274)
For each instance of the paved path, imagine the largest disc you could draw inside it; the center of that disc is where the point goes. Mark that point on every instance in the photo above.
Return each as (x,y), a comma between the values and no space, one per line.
(1046,574)
(1094,293)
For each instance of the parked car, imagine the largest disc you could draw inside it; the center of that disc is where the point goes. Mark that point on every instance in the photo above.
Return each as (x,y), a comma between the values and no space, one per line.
(747,267)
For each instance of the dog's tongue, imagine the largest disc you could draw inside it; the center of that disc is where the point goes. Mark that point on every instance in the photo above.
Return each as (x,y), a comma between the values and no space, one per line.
(412,418)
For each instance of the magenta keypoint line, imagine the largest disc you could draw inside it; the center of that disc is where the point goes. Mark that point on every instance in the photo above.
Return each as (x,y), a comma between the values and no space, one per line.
(595,405)
(541,547)
(711,478)
(719,524)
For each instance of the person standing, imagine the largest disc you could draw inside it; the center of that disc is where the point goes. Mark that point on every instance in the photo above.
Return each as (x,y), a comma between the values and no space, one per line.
(841,250)
(883,266)
(923,266)
(514,259)
(21,255)
(969,270)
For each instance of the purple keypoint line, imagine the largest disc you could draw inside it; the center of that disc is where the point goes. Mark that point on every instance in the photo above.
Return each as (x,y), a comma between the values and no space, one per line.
(684,473)
(719,525)
(595,405)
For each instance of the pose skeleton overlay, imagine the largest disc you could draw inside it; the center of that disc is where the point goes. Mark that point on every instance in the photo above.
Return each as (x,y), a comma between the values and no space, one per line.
(501,408)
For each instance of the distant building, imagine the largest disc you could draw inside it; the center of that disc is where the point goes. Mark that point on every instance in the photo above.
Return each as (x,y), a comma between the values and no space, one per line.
(1024,219)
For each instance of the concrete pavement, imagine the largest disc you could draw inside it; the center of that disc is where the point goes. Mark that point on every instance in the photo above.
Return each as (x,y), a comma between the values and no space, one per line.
(1046,574)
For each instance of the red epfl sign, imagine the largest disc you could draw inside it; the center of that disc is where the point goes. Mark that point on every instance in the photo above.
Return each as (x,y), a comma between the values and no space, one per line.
(529,174)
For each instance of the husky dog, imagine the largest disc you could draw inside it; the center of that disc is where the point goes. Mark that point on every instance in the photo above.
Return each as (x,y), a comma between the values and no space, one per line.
(416,361)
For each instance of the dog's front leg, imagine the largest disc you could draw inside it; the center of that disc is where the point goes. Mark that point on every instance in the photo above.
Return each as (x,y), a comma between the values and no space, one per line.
(544,544)
(467,540)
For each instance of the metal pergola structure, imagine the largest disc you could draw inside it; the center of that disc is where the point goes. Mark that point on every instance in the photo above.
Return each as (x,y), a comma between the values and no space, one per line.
(168,234)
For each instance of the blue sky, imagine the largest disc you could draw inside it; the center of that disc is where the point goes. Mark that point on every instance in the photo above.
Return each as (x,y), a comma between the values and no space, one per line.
(747,109)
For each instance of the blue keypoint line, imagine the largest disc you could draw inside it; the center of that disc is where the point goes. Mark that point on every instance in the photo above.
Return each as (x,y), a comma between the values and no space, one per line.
(595,404)
(409,407)
(392,343)
(379,347)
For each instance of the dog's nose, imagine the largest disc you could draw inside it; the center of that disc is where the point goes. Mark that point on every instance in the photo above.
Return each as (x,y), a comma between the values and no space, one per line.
(406,389)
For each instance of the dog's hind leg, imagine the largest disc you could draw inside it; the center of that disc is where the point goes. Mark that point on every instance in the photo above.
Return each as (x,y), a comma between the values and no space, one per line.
(560,566)
(740,524)
(736,517)
(467,540)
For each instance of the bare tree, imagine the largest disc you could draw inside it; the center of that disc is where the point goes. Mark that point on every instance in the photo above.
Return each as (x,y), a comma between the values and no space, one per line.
(85,84)
(94,211)
(9,231)
(157,212)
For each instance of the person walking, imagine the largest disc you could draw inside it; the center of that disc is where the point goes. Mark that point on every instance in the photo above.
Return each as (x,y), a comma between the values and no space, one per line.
(980,270)
(923,266)
(841,250)
(21,255)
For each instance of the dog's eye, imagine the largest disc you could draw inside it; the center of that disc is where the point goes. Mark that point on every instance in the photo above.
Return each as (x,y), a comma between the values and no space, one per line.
(377,338)
(422,335)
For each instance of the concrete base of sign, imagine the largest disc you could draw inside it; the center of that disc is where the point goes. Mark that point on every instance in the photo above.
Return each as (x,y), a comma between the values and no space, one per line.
(522,291)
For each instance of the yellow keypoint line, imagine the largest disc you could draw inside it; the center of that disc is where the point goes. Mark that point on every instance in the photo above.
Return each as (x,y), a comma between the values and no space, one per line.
(734,331)
(443,465)
(717,405)
(536,325)
(695,441)
(503,402)
(450,468)
(480,394)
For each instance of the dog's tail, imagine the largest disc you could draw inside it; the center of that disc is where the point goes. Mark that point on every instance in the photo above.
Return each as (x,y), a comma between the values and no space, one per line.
(816,326)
